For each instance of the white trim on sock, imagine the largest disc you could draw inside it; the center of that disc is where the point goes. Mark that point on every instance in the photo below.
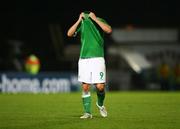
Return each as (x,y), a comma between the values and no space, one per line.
(86,94)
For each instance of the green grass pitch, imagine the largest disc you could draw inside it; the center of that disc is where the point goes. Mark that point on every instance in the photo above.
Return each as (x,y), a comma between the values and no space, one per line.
(126,110)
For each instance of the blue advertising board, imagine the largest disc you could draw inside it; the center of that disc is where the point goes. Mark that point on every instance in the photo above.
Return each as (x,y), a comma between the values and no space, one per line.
(44,82)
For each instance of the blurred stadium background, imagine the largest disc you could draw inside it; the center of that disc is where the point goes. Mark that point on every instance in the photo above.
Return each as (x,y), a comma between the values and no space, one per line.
(142,53)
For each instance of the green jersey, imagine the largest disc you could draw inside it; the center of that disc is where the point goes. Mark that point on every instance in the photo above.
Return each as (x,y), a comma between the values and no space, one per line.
(92,42)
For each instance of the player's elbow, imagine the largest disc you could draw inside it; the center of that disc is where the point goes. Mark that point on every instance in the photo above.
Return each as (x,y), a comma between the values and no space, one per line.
(108,30)
(69,34)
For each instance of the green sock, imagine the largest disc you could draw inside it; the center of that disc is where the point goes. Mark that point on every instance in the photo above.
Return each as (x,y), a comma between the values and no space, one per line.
(87,103)
(100,96)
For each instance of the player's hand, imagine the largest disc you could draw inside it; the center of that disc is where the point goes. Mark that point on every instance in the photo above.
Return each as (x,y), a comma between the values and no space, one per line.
(92,16)
(81,16)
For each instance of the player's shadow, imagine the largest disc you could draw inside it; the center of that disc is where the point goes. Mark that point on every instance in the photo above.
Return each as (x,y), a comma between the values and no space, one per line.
(94,116)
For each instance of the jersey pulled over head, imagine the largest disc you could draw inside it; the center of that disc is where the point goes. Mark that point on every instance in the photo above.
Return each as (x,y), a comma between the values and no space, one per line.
(86,14)
(92,43)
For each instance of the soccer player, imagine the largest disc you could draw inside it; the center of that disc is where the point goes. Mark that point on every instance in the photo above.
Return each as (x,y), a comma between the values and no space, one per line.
(91,65)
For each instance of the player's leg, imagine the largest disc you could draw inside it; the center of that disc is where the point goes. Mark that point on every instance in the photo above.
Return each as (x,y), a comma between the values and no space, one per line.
(99,79)
(100,88)
(84,76)
(86,99)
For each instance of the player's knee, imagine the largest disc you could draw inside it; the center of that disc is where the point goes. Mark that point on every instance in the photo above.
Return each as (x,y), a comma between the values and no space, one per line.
(100,87)
(85,87)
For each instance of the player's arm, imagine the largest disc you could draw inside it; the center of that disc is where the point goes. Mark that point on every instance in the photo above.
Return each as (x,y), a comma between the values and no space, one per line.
(105,27)
(73,28)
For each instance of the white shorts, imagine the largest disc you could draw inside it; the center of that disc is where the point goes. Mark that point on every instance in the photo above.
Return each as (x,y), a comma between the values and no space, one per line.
(92,70)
